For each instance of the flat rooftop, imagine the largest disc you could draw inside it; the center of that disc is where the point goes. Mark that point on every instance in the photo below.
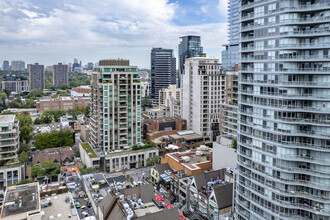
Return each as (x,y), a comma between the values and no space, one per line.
(21,199)
(192,158)
(163,119)
(59,206)
(97,185)
(89,150)
(5,119)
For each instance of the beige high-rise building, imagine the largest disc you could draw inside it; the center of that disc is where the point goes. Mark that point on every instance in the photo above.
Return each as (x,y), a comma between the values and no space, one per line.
(60,75)
(170,97)
(202,92)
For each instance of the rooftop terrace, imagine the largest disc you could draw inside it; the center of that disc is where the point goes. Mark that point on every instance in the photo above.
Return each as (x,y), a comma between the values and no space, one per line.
(91,153)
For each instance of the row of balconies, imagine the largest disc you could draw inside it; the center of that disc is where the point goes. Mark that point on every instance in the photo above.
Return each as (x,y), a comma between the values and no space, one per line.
(286,83)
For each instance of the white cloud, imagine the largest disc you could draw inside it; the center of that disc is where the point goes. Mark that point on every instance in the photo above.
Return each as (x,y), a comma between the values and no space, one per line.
(223,7)
(92,29)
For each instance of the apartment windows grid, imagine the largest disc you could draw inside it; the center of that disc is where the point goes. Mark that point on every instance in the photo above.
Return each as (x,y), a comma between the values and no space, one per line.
(284,110)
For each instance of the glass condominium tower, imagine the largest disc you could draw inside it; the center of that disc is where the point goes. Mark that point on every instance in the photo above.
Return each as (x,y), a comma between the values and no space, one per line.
(284,110)
(115,106)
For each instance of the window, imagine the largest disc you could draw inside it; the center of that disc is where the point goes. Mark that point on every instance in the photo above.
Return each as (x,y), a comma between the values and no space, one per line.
(259,11)
(272,7)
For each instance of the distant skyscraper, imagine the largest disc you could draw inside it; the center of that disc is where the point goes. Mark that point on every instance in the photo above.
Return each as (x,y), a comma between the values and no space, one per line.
(90,66)
(60,75)
(202,92)
(116,99)
(17,65)
(230,56)
(190,46)
(163,71)
(36,76)
(5,65)
(283,146)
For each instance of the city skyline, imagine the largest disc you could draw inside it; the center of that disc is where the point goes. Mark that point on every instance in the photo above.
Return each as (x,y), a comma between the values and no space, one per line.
(39,32)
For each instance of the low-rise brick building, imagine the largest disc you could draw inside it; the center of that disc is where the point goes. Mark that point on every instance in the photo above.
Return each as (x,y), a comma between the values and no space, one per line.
(61,103)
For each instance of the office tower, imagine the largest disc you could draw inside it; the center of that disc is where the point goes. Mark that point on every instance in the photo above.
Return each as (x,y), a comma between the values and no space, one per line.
(202,92)
(9,137)
(163,71)
(284,110)
(16,84)
(17,65)
(229,56)
(190,46)
(90,66)
(115,105)
(36,76)
(228,110)
(75,64)
(5,65)
(60,75)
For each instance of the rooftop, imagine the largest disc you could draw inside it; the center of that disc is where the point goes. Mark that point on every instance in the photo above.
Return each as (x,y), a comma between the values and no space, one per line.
(97,185)
(21,199)
(123,152)
(163,119)
(192,158)
(5,119)
(89,150)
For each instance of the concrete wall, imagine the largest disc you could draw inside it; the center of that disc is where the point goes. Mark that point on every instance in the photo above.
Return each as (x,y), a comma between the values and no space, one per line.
(223,155)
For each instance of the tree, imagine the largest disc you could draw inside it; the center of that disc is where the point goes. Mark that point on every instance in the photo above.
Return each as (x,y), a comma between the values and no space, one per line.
(54,139)
(87,111)
(146,103)
(152,160)
(23,157)
(234,144)
(24,147)
(35,93)
(46,169)
(88,170)
(25,128)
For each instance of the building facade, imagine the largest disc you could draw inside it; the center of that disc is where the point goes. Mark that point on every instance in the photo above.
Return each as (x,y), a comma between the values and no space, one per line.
(61,103)
(60,75)
(190,46)
(228,110)
(16,84)
(203,90)
(230,56)
(284,110)
(17,65)
(163,71)
(116,106)
(5,65)
(171,98)
(36,76)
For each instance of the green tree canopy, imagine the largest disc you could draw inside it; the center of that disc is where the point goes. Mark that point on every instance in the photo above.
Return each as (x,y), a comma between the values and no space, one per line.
(146,103)
(23,157)
(24,147)
(62,138)
(48,169)
(25,127)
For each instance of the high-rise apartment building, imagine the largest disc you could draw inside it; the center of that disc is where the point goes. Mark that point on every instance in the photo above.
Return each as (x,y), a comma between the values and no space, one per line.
(5,65)
(115,106)
(9,137)
(190,46)
(228,110)
(36,76)
(163,71)
(170,98)
(229,56)
(284,110)
(17,65)
(60,75)
(202,92)
(16,84)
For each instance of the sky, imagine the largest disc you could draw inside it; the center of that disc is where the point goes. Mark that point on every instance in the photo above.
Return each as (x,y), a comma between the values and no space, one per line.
(52,31)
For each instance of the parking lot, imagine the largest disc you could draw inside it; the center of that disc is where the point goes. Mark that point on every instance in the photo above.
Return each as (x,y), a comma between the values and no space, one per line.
(59,207)
(75,194)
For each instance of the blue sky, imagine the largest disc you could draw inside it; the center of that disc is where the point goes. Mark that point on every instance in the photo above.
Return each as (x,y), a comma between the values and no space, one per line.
(48,31)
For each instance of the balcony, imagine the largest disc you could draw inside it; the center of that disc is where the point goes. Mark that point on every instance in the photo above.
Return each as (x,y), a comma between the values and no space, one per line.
(285,95)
